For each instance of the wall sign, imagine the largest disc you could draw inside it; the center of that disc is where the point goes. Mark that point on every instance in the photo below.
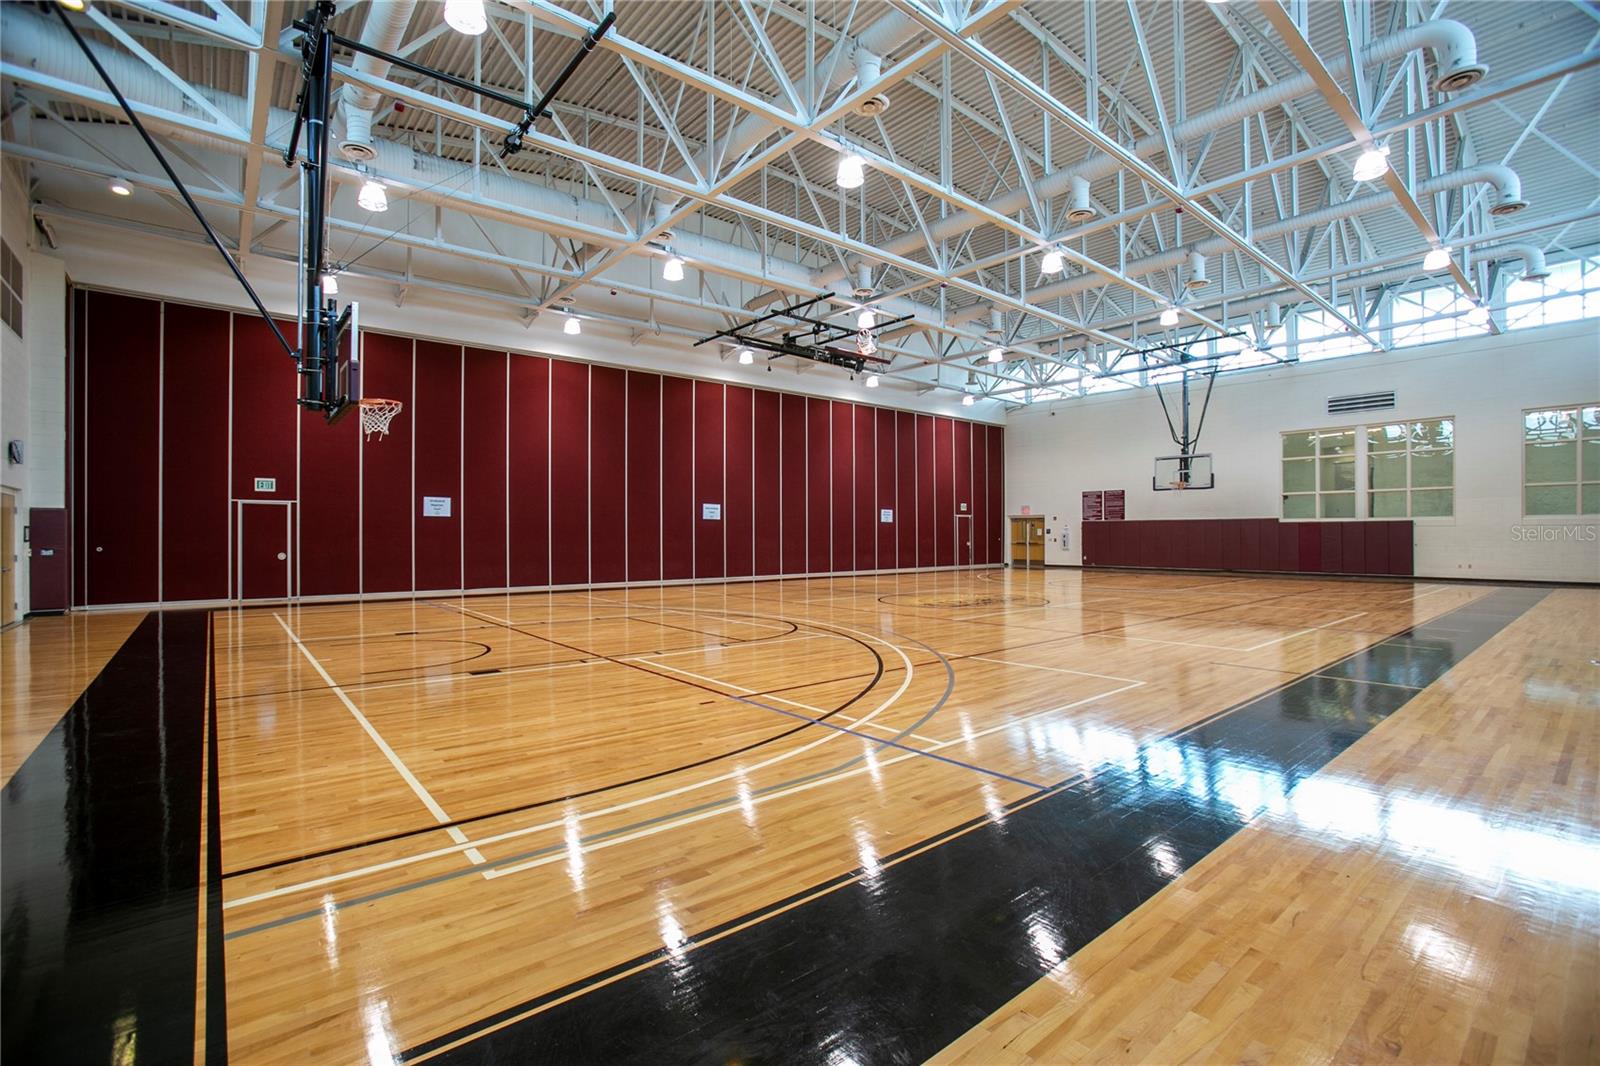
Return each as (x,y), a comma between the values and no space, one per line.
(711,512)
(266,484)
(1093,505)
(886,515)
(436,507)
(1116,505)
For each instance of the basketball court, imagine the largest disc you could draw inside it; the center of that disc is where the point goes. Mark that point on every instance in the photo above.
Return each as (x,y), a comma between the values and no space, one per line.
(1000,611)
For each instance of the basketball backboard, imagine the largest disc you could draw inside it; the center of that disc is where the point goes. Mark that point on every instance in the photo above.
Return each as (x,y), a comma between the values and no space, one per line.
(1181,472)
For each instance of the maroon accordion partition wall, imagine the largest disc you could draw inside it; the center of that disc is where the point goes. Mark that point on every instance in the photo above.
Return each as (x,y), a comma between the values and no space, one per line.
(557,472)
(1258,544)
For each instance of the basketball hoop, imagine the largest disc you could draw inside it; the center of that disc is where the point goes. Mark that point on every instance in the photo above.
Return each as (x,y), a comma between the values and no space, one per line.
(376,415)
(1177,485)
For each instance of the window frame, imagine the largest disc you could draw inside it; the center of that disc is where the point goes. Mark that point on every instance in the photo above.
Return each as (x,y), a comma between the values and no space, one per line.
(1580,516)
(1363,490)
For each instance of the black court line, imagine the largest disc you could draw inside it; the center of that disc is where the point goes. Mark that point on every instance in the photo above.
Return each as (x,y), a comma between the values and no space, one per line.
(100,862)
(892,964)
(216,1048)
(337,849)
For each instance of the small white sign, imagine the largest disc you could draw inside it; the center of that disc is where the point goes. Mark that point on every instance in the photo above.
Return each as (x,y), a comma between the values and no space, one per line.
(436,507)
(963,507)
(266,484)
(711,512)
(886,515)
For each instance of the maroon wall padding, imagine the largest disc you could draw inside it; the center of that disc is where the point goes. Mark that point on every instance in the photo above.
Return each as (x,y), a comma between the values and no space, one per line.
(842,498)
(265,401)
(644,476)
(884,488)
(927,521)
(437,469)
(768,474)
(961,450)
(1401,545)
(944,484)
(794,489)
(264,565)
(819,481)
(122,448)
(906,481)
(528,446)
(49,560)
(194,454)
(328,551)
(980,495)
(678,511)
(998,533)
(1259,545)
(569,473)
(738,507)
(709,477)
(608,462)
(77,429)
(386,524)
(483,469)
(601,471)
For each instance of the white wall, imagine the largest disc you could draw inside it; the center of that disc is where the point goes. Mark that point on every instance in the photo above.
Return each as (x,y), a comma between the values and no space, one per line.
(33,377)
(1055,453)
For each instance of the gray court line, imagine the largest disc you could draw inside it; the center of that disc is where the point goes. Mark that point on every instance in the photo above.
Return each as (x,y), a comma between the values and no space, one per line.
(550,849)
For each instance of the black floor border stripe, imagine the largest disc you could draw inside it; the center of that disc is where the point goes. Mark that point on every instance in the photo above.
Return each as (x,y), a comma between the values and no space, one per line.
(100,861)
(216,992)
(584,1027)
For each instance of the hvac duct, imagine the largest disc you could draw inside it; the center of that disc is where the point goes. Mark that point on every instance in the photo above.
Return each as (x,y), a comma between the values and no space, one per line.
(386,24)
(1456,59)
(1533,265)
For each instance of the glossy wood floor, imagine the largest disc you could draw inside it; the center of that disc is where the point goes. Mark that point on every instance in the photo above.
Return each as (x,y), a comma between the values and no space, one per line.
(439,821)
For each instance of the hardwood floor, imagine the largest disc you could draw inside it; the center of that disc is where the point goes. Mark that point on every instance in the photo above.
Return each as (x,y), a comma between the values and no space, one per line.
(846,819)
(44,664)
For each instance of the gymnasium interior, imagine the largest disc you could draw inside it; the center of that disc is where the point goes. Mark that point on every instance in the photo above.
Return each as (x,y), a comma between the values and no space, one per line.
(838,532)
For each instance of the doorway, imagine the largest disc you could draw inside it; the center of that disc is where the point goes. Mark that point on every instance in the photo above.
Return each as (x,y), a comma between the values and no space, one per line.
(8,559)
(1027,542)
(963,540)
(264,566)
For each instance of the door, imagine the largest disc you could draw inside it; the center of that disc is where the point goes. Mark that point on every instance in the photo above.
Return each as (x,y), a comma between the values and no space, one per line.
(264,565)
(8,559)
(964,545)
(1027,541)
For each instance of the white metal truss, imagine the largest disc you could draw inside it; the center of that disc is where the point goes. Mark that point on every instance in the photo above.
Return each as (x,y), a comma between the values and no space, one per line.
(1173,156)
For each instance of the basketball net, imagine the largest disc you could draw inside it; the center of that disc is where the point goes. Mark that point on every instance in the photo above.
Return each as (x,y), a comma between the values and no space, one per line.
(376,415)
(1177,484)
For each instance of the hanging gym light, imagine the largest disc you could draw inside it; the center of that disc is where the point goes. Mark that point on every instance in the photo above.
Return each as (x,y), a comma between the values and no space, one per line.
(866,319)
(330,285)
(373,197)
(1169,317)
(572,327)
(996,355)
(672,269)
(466,16)
(746,357)
(1436,259)
(121,187)
(966,399)
(1053,262)
(852,171)
(872,381)
(1371,164)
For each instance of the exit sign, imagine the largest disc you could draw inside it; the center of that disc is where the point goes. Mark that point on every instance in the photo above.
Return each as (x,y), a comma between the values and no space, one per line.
(266,484)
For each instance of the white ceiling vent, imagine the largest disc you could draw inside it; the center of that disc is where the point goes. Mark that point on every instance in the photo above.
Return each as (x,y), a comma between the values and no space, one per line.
(1361,401)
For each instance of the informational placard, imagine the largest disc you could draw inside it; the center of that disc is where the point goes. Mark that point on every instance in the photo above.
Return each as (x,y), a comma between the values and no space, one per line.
(963,507)
(886,514)
(266,484)
(1116,505)
(711,512)
(436,507)
(1094,505)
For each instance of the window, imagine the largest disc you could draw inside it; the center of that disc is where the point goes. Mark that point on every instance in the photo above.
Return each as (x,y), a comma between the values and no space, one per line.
(1319,474)
(1561,461)
(10,288)
(1411,469)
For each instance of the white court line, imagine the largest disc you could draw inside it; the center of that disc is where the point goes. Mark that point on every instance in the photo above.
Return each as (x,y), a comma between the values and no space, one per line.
(394,760)
(885,728)
(764,642)
(562,856)
(829,735)
(1054,669)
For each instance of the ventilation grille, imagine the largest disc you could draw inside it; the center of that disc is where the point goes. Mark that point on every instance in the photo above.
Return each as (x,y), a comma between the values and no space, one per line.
(1361,401)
